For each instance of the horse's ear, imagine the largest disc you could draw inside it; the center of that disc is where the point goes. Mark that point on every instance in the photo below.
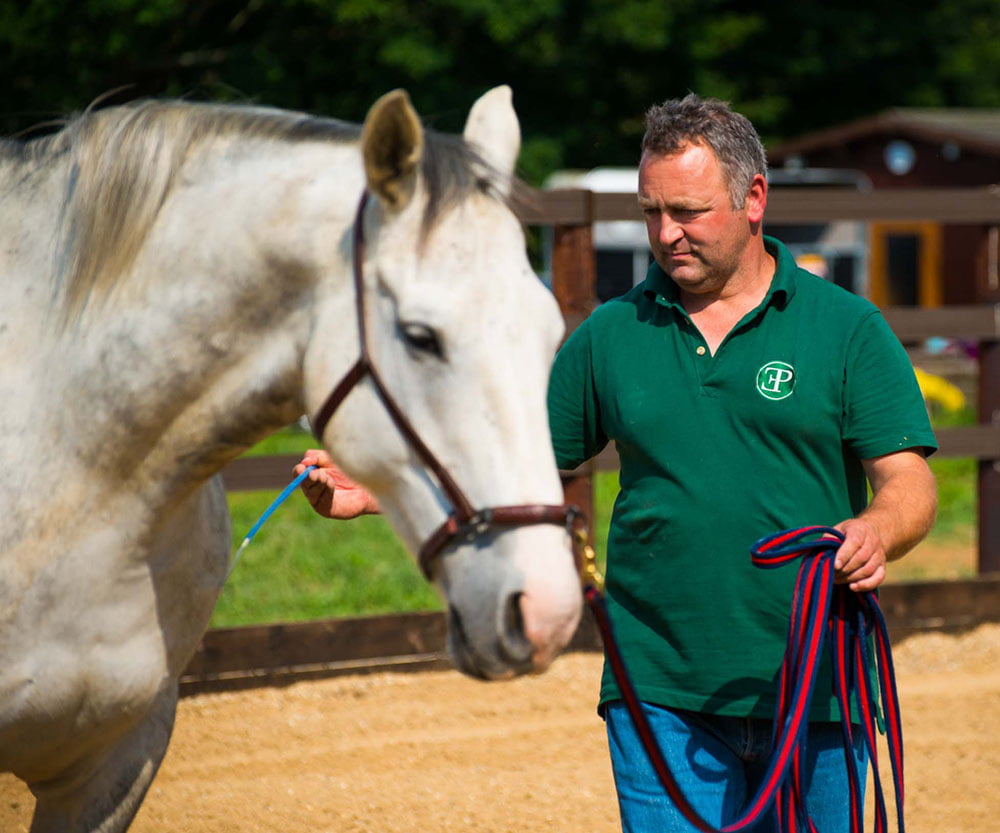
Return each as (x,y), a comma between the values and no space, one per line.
(493,128)
(392,143)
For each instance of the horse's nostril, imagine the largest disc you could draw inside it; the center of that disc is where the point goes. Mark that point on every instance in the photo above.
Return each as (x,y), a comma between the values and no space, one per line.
(513,620)
(502,650)
(514,641)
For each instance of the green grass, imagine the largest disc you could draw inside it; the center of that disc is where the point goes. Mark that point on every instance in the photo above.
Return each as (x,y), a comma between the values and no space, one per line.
(302,567)
(956,481)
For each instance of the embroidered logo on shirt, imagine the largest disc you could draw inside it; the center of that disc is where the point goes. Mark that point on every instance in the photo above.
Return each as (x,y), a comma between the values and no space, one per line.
(775,380)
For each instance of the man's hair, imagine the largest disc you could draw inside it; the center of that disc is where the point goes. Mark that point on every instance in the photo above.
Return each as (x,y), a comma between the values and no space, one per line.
(693,120)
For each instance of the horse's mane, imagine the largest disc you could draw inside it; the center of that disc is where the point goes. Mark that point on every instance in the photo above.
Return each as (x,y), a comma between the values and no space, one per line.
(125,161)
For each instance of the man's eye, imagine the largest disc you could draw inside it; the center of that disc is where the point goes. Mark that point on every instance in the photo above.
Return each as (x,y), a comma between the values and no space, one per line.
(422,338)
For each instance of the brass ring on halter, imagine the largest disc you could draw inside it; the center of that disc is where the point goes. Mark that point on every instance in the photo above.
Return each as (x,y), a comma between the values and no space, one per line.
(589,571)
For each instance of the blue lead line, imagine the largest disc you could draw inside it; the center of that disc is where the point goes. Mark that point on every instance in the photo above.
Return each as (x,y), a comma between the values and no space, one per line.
(291,487)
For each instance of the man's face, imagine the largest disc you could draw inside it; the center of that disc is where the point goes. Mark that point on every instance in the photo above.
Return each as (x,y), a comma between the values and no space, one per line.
(696,236)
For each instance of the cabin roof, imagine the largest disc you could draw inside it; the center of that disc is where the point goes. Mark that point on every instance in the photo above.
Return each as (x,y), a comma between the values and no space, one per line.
(975,129)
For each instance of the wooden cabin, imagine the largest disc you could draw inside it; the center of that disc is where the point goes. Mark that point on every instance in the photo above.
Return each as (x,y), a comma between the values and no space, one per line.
(915,263)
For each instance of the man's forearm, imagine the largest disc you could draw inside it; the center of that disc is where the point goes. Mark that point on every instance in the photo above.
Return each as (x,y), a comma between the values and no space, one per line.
(904,504)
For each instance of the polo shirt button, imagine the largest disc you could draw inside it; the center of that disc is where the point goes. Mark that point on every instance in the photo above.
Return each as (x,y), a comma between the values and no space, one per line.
(700,351)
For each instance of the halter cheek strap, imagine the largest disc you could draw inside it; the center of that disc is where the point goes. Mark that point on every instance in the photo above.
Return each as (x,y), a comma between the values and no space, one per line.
(465,521)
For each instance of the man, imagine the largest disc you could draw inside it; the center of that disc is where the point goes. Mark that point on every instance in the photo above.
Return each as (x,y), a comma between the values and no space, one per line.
(744,396)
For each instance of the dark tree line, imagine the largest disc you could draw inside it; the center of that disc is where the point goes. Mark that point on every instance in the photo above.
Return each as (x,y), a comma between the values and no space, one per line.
(583,71)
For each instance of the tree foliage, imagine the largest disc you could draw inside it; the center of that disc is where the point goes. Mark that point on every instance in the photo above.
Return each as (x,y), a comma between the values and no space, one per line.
(583,71)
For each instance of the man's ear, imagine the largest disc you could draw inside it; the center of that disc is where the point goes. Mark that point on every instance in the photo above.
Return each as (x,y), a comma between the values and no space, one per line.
(756,200)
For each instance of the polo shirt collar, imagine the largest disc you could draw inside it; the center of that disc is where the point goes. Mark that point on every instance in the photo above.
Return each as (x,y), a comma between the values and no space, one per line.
(659,288)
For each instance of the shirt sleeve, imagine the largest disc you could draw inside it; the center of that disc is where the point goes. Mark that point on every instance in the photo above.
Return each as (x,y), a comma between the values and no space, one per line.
(884,409)
(574,411)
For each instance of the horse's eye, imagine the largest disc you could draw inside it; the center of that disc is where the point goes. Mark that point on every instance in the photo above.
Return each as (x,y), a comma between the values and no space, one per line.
(421,337)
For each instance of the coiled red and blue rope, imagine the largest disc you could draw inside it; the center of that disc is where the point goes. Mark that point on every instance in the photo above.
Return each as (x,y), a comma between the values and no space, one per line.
(822,613)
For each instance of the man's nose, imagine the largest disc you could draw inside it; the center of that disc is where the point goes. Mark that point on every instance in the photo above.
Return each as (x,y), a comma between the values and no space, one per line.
(670,231)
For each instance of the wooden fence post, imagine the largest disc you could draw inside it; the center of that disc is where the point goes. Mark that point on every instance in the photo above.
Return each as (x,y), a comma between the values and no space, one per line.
(574,283)
(987,287)
(574,273)
(988,511)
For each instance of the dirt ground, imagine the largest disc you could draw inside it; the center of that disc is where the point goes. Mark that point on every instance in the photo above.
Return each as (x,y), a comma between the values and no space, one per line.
(437,751)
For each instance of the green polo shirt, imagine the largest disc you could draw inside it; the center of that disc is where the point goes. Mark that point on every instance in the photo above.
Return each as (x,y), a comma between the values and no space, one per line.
(718,451)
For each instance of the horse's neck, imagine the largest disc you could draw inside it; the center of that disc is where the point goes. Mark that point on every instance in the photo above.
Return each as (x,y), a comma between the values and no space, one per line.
(197,353)
(234,260)
(31,201)
(30,220)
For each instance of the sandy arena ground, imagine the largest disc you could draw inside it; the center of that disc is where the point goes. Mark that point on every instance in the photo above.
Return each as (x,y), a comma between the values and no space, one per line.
(436,751)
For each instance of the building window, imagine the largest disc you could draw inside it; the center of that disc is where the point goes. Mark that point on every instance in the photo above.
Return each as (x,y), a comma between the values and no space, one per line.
(906,264)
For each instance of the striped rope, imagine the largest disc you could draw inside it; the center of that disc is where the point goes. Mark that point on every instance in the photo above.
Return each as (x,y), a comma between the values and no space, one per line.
(822,613)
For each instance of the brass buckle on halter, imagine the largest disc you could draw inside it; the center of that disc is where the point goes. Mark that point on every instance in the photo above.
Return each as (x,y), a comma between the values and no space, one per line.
(589,572)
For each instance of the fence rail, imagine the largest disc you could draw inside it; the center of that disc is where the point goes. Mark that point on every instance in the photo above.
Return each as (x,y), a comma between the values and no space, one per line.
(248,657)
(576,207)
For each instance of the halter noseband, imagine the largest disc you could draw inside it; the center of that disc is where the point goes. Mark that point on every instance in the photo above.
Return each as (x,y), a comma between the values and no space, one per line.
(464,521)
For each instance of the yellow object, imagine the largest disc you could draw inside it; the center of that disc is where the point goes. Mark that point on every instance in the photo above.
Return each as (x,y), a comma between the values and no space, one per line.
(939,390)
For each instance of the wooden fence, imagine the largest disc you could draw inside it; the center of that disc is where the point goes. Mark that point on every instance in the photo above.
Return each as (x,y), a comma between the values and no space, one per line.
(280,653)
(571,213)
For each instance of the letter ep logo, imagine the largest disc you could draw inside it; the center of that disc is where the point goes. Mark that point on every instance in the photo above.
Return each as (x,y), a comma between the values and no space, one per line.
(775,380)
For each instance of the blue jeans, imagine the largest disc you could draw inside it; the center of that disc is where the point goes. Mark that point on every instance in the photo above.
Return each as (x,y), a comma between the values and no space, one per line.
(719,762)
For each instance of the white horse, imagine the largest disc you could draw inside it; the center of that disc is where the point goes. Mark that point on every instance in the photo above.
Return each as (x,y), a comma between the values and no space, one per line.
(176,283)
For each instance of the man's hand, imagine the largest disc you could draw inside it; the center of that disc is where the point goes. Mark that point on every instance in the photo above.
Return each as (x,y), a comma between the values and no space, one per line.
(860,560)
(331,492)
(901,513)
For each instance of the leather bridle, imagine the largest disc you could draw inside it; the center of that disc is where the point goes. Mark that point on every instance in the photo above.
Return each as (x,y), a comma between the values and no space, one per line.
(465,521)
